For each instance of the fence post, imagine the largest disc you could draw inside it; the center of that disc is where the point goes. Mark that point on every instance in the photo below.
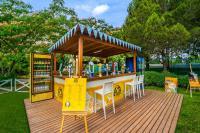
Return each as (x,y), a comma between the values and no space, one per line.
(11,84)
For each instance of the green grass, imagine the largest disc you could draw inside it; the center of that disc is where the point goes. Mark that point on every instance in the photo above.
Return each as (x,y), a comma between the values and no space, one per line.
(13,116)
(12,113)
(189,117)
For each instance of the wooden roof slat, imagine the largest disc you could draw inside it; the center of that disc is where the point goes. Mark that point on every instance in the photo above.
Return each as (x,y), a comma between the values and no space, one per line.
(105,43)
(94,49)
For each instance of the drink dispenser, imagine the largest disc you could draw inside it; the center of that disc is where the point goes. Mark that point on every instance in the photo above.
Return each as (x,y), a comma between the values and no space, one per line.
(91,69)
(107,69)
(100,67)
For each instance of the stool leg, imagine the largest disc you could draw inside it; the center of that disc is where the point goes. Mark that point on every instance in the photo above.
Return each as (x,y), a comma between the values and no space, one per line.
(63,118)
(137,91)
(113,102)
(130,91)
(133,88)
(140,90)
(125,91)
(143,88)
(104,108)
(190,92)
(86,126)
(95,102)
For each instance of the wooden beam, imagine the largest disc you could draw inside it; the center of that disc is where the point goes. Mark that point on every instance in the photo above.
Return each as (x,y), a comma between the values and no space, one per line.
(74,50)
(80,56)
(69,43)
(134,61)
(105,43)
(87,44)
(95,48)
(71,47)
(106,52)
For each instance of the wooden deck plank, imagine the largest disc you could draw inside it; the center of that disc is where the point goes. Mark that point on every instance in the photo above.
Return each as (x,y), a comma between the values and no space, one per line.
(98,118)
(169,121)
(154,109)
(167,115)
(146,114)
(155,114)
(135,115)
(123,116)
(173,123)
(154,120)
(159,120)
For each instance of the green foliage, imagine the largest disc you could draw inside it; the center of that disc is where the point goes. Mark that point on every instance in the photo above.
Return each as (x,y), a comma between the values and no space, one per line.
(23,31)
(11,65)
(99,24)
(153,78)
(153,24)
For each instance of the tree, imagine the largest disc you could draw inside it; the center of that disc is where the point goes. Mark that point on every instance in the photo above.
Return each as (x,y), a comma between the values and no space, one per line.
(133,28)
(22,31)
(99,24)
(187,13)
(151,24)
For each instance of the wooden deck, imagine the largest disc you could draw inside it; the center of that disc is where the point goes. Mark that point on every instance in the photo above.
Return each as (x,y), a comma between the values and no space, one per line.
(155,112)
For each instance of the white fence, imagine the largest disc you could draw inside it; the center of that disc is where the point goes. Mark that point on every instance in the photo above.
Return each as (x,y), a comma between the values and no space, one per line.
(7,82)
(20,85)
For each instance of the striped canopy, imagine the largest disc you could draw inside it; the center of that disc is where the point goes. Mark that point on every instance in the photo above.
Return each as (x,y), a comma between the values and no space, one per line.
(91,32)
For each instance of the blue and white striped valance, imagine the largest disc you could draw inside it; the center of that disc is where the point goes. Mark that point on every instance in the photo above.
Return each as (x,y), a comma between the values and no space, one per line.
(86,30)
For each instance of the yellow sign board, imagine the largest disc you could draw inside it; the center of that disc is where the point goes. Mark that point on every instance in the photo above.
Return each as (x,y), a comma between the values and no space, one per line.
(171,84)
(74,96)
(46,56)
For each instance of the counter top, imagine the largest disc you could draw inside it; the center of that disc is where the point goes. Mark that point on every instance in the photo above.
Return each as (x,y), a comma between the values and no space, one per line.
(99,81)
(99,78)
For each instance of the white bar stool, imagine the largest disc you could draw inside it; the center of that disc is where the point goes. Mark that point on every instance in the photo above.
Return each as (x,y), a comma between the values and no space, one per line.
(133,86)
(107,89)
(141,83)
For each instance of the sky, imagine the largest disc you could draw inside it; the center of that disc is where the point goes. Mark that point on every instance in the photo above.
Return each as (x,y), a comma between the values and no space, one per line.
(112,11)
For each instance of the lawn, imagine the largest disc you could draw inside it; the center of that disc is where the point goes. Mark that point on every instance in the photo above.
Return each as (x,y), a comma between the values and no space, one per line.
(12,113)
(13,116)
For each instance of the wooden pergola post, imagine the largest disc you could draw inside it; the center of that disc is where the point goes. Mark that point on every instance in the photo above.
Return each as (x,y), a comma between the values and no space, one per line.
(134,61)
(74,56)
(80,56)
(54,67)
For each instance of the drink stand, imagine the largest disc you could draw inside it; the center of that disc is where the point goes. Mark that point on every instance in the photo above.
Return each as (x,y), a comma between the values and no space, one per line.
(83,41)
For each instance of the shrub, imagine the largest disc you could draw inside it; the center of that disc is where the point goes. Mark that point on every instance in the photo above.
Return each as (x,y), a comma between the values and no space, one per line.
(153,78)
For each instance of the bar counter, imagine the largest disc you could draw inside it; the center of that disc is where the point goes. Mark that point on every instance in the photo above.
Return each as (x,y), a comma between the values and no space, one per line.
(95,84)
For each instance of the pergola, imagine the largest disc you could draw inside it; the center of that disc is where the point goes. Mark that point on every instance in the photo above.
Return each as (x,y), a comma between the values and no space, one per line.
(85,41)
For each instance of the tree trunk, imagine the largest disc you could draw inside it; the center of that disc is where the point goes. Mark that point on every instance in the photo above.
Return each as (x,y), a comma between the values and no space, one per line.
(11,66)
(147,63)
(166,63)
(2,71)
